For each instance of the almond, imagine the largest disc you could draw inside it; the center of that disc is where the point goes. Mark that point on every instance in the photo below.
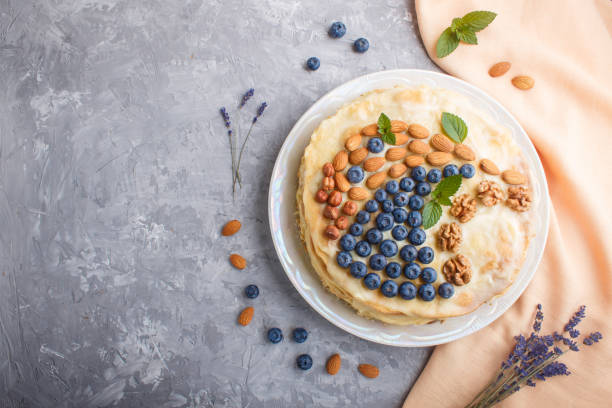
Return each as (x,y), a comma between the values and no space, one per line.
(368,370)
(238,261)
(370,130)
(353,142)
(231,228)
(442,143)
(376,179)
(358,155)
(418,147)
(333,364)
(373,164)
(499,69)
(398,126)
(340,160)
(342,183)
(523,82)
(358,193)
(439,158)
(489,167)
(417,131)
(245,317)
(513,177)
(414,160)
(401,138)
(397,170)
(464,152)
(395,153)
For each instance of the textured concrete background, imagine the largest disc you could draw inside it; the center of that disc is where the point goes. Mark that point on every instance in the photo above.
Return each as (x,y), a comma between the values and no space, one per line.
(114,182)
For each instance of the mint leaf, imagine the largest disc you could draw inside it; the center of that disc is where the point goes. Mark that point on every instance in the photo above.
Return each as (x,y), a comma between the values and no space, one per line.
(445,201)
(447,187)
(431,214)
(457,24)
(467,36)
(384,124)
(447,43)
(388,138)
(454,127)
(478,20)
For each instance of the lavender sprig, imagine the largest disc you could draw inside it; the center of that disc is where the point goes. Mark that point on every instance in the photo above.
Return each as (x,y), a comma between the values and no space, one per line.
(228,124)
(245,98)
(534,359)
(260,111)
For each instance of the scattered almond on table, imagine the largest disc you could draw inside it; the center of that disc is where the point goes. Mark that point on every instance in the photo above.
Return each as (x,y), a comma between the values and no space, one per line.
(368,370)
(499,69)
(333,364)
(523,82)
(231,228)
(245,317)
(237,261)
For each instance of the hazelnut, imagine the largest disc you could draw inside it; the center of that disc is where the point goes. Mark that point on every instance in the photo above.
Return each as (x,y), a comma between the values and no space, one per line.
(328,183)
(342,222)
(349,208)
(332,232)
(328,170)
(321,196)
(330,212)
(335,198)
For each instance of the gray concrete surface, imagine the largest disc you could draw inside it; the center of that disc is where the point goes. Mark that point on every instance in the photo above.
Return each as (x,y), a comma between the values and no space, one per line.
(115,288)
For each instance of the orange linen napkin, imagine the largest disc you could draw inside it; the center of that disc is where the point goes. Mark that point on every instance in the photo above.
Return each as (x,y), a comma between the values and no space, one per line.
(566,46)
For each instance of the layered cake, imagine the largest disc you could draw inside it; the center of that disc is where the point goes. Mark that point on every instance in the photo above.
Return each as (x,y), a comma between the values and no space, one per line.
(414,206)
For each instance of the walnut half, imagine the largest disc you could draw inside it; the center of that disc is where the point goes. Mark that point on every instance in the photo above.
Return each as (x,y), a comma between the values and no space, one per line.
(449,237)
(457,270)
(489,193)
(464,207)
(519,198)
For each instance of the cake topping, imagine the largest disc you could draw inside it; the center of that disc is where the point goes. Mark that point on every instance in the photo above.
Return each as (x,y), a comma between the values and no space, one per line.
(489,167)
(398,126)
(449,237)
(358,193)
(397,170)
(328,183)
(418,147)
(414,161)
(395,153)
(376,179)
(358,155)
(335,198)
(442,143)
(330,212)
(342,182)
(489,193)
(349,208)
(519,198)
(370,130)
(332,232)
(439,158)
(340,160)
(418,131)
(353,142)
(513,177)
(374,163)
(342,222)
(328,169)
(457,270)
(464,207)
(464,152)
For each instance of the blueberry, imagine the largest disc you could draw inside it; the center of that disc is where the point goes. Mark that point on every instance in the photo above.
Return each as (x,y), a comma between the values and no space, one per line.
(389,288)
(392,187)
(378,262)
(467,170)
(393,270)
(434,176)
(418,173)
(408,253)
(450,170)
(425,255)
(344,259)
(371,281)
(348,242)
(422,188)
(251,291)
(384,221)
(407,291)
(355,174)
(374,236)
(412,270)
(386,206)
(399,233)
(371,206)
(416,202)
(417,236)
(380,195)
(400,215)
(388,248)
(356,230)
(304,362)
(407,184)
(337,29)
(429,275)
(361,45)
(400,199)
(358,269)
(300,335)
(362,217)
(427,292)
(415,219)
(375,145)
(275,335)
(363,249)
(446,290)
(313,63)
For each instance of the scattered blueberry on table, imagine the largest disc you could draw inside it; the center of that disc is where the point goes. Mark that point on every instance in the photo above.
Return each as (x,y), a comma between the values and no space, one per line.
(300,335)
(275,335)
(304,362)
(251,291)
(313,63)
(337,29)
(361,45)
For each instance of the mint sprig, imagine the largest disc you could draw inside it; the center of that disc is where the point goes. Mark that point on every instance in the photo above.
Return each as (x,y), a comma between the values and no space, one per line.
(439,197)
(463,29)
(454,127)
(384,129)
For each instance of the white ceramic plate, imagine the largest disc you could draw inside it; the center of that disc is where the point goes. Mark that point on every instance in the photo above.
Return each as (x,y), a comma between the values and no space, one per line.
(282,213)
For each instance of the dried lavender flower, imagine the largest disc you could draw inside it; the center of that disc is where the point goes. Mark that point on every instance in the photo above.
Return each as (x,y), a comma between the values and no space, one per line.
(260,111)
(245,98)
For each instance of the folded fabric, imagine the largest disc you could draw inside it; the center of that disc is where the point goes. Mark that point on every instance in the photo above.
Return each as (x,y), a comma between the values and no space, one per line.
(566,46)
